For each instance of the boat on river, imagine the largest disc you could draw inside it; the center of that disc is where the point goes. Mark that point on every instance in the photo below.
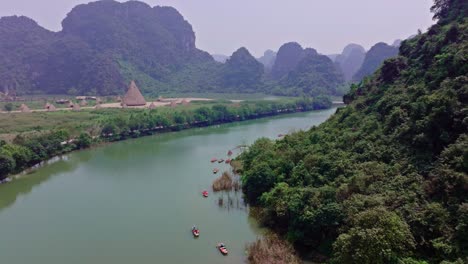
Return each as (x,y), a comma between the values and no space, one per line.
(228,161)
(220,160)
(215,171)
(222,248)
(195,231)
(205,193)
(214,160)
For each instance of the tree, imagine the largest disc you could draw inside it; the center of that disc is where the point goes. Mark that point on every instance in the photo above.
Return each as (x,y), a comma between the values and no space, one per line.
(109,129)
(376,236)
(22,155)
(449,9)
(83,141)
(258,180)
(8,107)
(7,165)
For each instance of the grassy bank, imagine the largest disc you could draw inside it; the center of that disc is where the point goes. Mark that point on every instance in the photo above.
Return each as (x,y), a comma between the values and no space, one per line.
(35,137)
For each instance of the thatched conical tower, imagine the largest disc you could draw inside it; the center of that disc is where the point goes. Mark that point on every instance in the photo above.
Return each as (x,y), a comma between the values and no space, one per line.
(152,106)
(25,109)
(134,96)
(47,105)
(51,108)
(76,107)
(173,104)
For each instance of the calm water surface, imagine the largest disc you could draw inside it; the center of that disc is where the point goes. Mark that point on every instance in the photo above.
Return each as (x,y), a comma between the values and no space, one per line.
(135,201)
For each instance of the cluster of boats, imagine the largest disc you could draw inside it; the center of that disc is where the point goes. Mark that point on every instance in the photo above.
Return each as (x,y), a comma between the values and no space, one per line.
(195,231)
(227,161)
(220,246)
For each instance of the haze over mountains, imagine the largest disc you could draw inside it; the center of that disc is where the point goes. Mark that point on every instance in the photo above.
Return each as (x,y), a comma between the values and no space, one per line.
(105,44)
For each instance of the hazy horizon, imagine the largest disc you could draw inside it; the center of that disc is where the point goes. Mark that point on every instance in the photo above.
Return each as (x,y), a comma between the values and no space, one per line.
(223,27)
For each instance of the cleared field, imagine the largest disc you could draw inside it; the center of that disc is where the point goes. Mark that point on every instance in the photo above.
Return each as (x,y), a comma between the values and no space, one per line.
(15,123)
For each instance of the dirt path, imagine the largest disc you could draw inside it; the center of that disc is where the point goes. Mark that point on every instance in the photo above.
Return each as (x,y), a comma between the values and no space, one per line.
(164,102)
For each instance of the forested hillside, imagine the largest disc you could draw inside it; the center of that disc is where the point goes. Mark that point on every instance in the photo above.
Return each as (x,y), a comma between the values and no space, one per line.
(385,179)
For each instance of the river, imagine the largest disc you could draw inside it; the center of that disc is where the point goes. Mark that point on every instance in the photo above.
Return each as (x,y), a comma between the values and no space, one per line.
(135,201)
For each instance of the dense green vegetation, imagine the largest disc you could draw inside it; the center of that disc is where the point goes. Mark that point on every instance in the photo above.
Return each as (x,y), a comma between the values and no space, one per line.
(242,72)
(385,179)
(64,134)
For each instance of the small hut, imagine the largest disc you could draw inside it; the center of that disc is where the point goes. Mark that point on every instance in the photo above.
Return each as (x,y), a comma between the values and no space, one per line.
(98,106)
(98,100)
(51,108)
(76,107)
(71,104)
(133,97)
(173,104)
(46,106)
(124,105)
(118,99)
(185,102)
(25,109)
(152,106)
(83,102)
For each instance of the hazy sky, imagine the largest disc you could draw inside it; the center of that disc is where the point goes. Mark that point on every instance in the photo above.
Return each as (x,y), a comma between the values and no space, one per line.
(223,26)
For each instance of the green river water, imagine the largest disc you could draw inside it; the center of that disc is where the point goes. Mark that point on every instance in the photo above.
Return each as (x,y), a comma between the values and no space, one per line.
(135,201)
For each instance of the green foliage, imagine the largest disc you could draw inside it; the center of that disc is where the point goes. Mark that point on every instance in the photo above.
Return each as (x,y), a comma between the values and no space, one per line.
(83,141)
(7,164)
(376,236)
(8,107)
(447,10)
(242,71)
(385,179)
(314,75)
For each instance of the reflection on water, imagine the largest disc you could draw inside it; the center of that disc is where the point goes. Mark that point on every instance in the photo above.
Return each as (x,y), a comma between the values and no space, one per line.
(25,182)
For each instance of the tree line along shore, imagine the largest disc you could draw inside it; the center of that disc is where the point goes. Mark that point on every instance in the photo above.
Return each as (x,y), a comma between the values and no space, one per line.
(41,136)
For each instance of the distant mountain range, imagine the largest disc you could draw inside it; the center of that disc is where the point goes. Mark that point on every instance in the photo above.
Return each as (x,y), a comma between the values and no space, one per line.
(268,59)
(106,44)
(374,59)
(220,57)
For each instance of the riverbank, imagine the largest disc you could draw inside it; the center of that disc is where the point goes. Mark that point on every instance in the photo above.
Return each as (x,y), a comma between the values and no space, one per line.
(26,150)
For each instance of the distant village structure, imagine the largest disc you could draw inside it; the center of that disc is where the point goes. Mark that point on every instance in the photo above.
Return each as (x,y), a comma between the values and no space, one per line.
(133,97)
